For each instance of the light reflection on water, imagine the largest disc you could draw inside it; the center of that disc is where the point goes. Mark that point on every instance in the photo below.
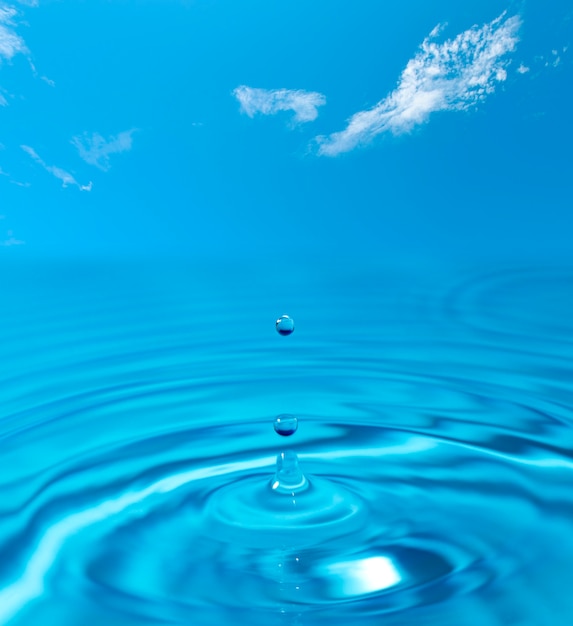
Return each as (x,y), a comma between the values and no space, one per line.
(138,445)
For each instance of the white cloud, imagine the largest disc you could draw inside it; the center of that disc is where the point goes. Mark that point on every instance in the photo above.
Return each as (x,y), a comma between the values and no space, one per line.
(11,43)
(96,150)
(58,172)
(449,76)
(270,101)
(523,69)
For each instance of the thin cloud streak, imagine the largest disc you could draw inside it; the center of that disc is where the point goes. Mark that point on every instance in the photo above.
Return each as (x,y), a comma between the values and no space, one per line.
(96,150)
(66,178)
(13,181)
(270,101)
(451,76)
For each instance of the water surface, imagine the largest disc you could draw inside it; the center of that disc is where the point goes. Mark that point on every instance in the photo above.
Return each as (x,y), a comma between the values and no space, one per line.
(434,428)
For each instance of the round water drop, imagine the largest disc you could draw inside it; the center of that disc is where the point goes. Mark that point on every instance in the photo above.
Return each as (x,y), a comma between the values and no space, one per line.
(286,425)
(285,325)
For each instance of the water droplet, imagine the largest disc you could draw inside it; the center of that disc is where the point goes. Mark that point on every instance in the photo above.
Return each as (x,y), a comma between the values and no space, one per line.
(285,325)
(286,425)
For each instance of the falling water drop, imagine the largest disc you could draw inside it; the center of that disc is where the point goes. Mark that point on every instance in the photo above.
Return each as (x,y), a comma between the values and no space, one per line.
(285,325)
(286,425)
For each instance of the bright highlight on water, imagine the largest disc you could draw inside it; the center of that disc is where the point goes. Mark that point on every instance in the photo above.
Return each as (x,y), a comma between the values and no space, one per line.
(285,325)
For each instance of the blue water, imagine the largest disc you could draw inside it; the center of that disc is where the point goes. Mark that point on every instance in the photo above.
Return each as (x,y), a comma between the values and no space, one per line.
(428,483)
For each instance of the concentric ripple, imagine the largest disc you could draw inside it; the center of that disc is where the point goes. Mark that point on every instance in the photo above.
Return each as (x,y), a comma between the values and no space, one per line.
(531,305)
(429,480)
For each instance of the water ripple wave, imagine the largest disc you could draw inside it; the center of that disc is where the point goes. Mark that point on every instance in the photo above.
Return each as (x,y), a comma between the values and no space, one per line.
(139,455)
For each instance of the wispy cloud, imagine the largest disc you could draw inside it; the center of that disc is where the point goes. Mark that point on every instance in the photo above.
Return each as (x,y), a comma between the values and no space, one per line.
(11,240)
(555,59)
(550,60)
(66,178)
(13,181)
(449,76)
(96,150)
(11,43)
(47,80)
(270,101)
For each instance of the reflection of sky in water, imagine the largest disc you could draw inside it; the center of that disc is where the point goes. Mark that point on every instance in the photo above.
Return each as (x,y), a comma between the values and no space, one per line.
(362,576)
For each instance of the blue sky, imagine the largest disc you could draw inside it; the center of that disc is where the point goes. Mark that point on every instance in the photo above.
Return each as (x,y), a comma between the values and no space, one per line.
(226,130)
